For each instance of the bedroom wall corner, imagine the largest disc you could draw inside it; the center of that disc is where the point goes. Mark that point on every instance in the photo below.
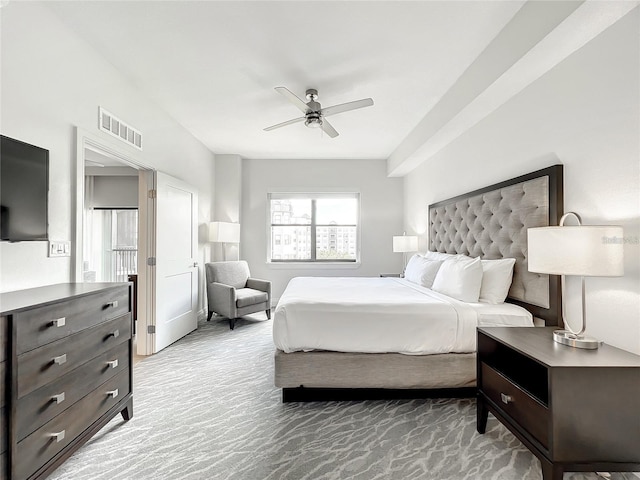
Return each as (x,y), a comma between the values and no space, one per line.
(585,114)
(46,94)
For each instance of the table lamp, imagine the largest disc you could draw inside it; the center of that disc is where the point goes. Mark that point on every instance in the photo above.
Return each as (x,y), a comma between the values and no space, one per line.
(404,244)
(224,232)
(582,250)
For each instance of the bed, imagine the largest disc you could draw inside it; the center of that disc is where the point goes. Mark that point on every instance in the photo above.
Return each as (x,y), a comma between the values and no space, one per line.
(325,351)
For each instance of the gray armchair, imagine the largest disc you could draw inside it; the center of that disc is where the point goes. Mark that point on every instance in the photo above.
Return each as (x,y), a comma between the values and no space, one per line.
(232,292)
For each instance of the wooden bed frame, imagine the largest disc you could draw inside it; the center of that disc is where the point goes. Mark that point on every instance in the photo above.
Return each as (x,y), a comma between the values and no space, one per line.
(498,216)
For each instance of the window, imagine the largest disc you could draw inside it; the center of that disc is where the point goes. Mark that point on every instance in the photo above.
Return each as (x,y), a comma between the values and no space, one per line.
(318,227)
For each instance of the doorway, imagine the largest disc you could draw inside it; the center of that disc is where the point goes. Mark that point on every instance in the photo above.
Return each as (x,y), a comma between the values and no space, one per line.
(113,189)
(112,234)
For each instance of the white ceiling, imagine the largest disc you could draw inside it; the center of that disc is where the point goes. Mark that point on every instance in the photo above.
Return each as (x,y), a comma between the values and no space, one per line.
(433,68)
(213,65)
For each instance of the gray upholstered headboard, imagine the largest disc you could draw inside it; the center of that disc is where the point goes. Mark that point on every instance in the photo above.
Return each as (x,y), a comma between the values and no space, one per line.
(492,223)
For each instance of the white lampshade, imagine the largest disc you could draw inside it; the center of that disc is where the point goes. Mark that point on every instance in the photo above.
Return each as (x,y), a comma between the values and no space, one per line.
(405,243)
(589,251)
(224,232)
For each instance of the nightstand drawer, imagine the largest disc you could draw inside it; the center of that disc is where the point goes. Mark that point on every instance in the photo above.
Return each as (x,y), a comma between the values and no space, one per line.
(45,364)
(42,325)
(43,404)
(516,403)
(39,447)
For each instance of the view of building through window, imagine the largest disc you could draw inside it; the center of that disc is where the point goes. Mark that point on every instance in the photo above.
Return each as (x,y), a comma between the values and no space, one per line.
(314,229)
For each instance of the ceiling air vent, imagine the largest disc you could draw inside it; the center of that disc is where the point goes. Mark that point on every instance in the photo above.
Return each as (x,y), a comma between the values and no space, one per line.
(116,127)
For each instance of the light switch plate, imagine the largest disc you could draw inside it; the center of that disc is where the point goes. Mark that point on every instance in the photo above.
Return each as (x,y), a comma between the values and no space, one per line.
(59,248)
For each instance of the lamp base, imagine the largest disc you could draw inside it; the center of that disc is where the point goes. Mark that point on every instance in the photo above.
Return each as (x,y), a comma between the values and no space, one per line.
(565,337)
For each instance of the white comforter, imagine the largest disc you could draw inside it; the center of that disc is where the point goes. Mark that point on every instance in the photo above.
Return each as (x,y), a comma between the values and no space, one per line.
(371,315)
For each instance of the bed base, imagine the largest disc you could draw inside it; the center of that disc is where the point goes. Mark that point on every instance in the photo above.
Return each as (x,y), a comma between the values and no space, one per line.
(322,376)
(304,394)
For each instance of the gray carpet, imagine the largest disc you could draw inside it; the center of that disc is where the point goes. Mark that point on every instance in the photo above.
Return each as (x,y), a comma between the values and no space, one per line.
(206,408)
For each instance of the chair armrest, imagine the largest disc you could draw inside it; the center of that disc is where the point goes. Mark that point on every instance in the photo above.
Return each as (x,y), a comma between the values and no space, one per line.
(262,285)
(222,299)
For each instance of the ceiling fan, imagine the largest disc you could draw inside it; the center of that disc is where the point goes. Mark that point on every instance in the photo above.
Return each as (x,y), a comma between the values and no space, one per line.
(314,114)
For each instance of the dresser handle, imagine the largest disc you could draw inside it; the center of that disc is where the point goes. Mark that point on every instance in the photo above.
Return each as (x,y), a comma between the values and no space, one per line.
(112,393)
(506,399)
(113,304)
(114,334)
(59,398)
(60,359)
(59,436)
(59,322)
(113,363)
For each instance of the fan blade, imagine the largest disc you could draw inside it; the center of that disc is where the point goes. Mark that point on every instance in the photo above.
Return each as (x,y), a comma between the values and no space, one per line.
(328,129)
(284,124)
(345,107)
(293,98)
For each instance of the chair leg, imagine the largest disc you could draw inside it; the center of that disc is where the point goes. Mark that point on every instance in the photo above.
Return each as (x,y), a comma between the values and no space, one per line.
(268,312)
(209,317)
(232,323)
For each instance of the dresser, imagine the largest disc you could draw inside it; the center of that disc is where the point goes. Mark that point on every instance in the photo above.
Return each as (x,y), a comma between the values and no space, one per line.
(66,365)
(575,409)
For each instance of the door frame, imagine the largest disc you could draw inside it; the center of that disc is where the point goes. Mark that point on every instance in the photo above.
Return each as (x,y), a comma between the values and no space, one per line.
(146,226)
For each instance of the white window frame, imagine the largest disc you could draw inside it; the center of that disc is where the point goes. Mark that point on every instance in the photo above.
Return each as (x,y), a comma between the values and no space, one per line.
(313,261)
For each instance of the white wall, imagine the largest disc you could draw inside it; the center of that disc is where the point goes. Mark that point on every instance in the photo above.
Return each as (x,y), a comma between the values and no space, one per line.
(115,191)
(584,114)
(380,213)
(228,198)
(52,81)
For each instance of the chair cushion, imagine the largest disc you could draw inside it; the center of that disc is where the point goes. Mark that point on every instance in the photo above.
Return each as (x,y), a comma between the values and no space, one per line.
(249,296)
(230,273)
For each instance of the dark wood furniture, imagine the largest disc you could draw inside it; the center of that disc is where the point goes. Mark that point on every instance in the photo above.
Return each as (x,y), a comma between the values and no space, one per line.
(576,410)
(68,354)
(3,398)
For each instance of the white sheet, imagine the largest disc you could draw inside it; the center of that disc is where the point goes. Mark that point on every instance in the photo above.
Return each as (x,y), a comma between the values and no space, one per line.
(378,315)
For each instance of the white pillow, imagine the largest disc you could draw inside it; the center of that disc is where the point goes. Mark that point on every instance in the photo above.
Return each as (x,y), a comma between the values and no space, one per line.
(438,256)
(460,278)
(421,270)
(496,280)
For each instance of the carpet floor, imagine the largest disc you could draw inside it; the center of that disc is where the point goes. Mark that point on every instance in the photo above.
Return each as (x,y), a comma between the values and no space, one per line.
(206,408)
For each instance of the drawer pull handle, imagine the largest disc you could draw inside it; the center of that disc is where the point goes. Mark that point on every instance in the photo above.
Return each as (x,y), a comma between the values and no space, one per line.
(112,393)
(113,363)
(506,399)
(59,436)
(114,334)
(59,360)
(59,322)
(59,398)
(113,304)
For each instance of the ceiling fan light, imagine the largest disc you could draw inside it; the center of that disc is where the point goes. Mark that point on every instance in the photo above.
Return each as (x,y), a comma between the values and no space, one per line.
(313,122)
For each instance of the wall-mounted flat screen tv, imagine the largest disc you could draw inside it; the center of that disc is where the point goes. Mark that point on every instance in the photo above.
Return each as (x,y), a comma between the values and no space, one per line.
(24,191)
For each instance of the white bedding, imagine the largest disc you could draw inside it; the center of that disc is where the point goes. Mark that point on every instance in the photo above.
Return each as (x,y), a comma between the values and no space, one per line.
(381,315)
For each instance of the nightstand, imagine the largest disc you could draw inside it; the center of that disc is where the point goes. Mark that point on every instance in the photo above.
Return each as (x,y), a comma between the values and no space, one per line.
(576,410)
(396,275)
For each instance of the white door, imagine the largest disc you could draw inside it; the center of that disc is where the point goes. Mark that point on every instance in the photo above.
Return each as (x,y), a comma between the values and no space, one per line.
(176,268)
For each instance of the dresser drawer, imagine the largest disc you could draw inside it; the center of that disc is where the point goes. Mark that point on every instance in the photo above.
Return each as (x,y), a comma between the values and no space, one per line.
(39,447)
(42,325)
(516,403)
(45,364)
(41,405)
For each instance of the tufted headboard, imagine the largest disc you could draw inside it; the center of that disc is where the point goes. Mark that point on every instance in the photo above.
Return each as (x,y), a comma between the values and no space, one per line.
(492,223)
